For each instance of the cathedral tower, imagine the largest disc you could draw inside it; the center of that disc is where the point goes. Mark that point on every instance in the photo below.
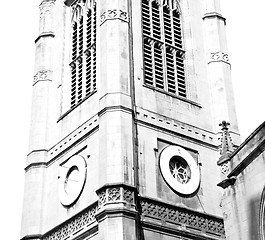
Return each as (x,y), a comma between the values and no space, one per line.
(127,100)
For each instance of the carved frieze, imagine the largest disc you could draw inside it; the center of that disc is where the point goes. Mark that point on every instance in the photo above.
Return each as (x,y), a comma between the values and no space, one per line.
(112,14)
(118,193)
(219,57)
(74,225)
(182,217)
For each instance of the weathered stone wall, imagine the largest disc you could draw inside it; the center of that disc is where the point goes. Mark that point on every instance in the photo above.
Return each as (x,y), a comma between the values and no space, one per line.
(242,201)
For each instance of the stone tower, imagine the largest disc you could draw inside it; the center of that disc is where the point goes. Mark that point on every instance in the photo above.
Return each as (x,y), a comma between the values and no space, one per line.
(127,100)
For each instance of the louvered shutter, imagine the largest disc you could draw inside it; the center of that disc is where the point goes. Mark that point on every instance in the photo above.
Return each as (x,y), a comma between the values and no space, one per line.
(159,78)
(162,47)
(83,63)
(88,52)
(148,66)
(94,47)
(156,21)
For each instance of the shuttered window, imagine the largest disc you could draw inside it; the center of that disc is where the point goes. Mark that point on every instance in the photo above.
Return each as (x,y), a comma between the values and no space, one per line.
(162,47)
(83,57)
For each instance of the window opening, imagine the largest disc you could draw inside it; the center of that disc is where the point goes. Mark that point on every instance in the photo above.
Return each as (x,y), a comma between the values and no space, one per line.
(83,55)
(162,47)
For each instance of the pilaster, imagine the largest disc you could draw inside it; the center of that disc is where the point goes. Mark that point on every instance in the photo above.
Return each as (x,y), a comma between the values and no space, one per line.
(219,66)
(115,116)
(39,131)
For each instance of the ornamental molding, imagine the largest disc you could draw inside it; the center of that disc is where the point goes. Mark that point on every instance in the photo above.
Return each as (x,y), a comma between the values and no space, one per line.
(219,57)
(184,219)
(113,14)
(43,75)
(68,229)
(119,193)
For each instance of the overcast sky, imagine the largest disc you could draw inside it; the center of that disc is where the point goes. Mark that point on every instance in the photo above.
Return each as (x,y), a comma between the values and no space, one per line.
(246,42)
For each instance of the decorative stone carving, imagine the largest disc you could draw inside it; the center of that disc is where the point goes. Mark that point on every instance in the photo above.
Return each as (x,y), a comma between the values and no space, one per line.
(219,57)
(74,225)
(169,214)
(116,193)
(225,168)
(112,14)
(128,196)
(43,75)
(182,217)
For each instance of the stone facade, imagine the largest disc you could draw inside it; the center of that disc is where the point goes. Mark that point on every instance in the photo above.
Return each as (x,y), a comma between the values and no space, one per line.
(243,200)
(112,152)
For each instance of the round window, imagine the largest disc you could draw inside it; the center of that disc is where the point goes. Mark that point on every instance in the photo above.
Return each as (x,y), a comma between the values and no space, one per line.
(72,179)
(179,170)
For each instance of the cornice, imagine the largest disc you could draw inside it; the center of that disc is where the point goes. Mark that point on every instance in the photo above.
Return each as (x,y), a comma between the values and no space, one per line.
(44,35)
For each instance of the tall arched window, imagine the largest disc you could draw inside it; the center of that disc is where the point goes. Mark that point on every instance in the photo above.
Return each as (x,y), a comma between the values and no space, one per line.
(162,46)
(83,57)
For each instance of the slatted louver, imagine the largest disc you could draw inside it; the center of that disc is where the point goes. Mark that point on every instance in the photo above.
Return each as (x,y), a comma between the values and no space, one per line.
(170,71)
(167,25)
(88,51)
(94,68)
(156,21)
(80,36)
(88,72)
(179,59)
(73,65)
(80,58)
(83,62)
(180,75)
(73,84)
(74,41)
(162,47)
(148,66)
(177,29)
(94,47)
(159,78)
(79,81)
(88,28)
(146,18)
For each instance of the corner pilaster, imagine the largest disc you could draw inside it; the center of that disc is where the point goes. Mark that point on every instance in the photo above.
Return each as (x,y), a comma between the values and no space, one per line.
(219,66)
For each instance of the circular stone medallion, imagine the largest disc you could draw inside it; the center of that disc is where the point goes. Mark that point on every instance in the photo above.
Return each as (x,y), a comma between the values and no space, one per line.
(179,169)
(72,179)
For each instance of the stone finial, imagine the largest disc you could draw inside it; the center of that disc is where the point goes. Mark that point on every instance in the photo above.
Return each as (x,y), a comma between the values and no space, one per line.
(227,146)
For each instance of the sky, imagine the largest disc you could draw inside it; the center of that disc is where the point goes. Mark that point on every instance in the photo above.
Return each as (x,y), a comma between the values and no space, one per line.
(19,28)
